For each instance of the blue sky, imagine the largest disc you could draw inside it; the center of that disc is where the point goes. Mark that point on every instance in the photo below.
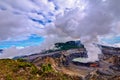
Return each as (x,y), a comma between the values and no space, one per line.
(112,40)
(33,40)
(54,21)
(36,40)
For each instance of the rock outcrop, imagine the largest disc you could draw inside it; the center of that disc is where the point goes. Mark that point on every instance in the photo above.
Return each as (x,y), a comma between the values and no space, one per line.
(107,68)
(102,75)
(65,57)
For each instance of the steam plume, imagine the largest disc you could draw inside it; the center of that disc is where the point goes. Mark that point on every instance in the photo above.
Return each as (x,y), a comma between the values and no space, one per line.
(87,24)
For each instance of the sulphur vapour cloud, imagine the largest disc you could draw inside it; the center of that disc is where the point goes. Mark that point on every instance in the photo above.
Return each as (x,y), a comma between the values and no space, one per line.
(69,19)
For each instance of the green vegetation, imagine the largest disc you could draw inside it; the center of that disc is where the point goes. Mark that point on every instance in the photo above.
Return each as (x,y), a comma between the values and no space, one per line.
(46,68)
(21,70)
(17,70)
(21,60)
(65,46)
(69,45)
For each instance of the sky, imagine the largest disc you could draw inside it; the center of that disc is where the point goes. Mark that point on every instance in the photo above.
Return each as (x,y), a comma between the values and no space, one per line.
(29,26)
(32,40)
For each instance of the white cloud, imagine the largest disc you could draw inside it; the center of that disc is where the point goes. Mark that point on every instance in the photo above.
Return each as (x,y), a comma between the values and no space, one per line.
(16,16)
(13,51)
(72,19)
(15,19)
(98,18)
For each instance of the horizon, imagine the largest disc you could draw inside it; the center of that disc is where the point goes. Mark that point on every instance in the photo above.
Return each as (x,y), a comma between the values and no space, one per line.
(29,26)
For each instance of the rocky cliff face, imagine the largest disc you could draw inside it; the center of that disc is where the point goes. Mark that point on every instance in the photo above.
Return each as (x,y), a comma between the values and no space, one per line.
(109,50)
(102,75)
(107,68)
(111,55)
(65,57)
(62,62)
(116,63)
(110,63)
